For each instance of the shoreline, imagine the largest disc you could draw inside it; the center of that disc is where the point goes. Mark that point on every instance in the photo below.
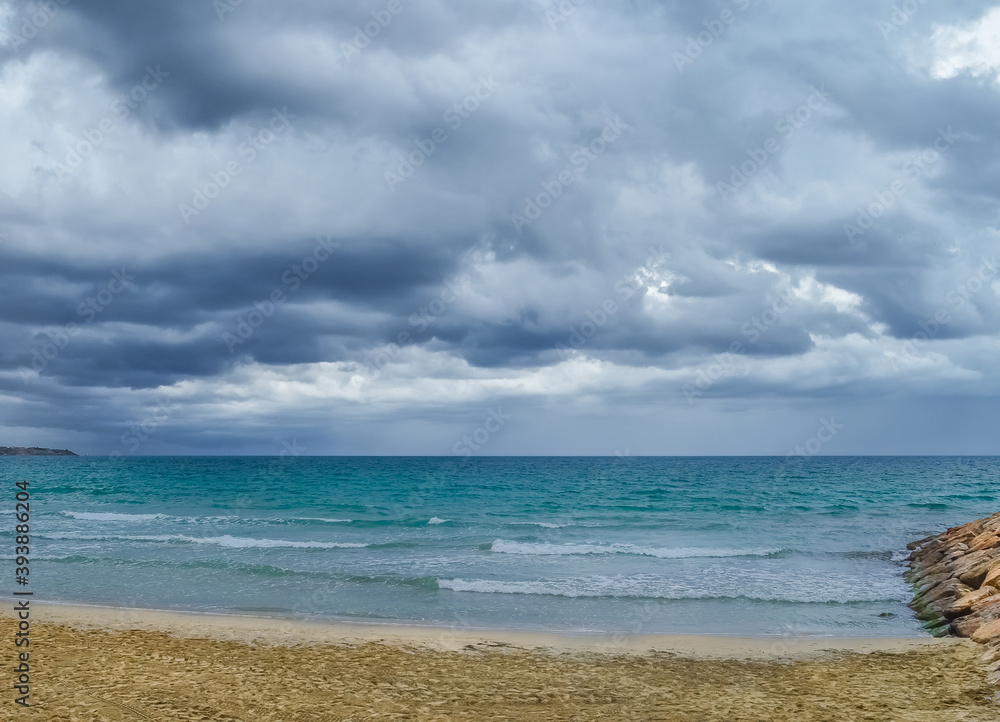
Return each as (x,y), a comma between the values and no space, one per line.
(117,664)
(290,632)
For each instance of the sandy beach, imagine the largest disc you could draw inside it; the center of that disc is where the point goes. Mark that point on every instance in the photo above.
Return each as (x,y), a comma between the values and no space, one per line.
(96,663)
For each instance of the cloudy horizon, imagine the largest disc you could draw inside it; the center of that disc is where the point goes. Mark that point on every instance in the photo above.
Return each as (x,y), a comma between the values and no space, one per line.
(522,227)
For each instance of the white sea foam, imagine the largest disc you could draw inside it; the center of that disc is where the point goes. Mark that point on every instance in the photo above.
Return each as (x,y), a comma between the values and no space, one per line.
(312,518)
(436,520)
(546,524)
(489,586)
(112,516)
(502,546)
(243,542)
(225,540)
(231,519)
(800,589)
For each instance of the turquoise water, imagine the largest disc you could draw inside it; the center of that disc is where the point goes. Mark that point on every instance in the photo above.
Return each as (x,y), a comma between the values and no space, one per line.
(756,546)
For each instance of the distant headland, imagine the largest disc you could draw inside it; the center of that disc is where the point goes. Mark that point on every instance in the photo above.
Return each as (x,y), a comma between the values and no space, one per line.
(33,451)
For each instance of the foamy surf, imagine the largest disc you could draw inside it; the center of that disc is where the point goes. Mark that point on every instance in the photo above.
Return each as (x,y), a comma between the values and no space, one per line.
(226,540)
(230,519)
(502,546)
(800,589)
(112,516)
(713,546)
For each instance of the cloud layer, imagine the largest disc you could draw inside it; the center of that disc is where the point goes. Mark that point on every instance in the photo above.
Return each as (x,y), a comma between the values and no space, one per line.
(660,226)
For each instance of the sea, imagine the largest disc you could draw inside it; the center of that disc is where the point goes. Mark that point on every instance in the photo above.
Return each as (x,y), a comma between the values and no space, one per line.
(748,546)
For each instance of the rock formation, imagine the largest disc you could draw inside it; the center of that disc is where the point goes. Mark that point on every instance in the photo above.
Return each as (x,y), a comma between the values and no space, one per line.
(956,583)
(33,451)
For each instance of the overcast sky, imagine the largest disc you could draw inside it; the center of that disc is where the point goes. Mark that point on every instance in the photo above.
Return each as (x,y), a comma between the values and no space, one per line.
(508,227)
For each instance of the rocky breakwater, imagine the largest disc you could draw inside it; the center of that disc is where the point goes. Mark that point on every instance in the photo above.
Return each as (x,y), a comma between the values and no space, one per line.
(956,582)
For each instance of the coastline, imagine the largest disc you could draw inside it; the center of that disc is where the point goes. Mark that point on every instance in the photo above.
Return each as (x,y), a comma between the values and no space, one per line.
(213,662)
(570,555)
(281,631)
(106,663)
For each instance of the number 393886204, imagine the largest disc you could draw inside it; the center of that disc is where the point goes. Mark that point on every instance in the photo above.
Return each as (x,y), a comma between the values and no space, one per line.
(22,529)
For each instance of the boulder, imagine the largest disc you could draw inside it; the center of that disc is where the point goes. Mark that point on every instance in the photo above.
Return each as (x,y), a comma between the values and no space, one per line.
(965,604)
(927,584)
(920,574)
(987,632)
(965,626)
(972,568)
(992,599)
(913,545)
(992,654)
(943,629)
(986,540)
(926,560)
(929,614)
(948,589)
(992,578)
(969,625)
(940,568)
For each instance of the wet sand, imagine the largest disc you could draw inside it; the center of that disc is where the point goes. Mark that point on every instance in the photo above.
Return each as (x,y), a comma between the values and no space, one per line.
(95,663)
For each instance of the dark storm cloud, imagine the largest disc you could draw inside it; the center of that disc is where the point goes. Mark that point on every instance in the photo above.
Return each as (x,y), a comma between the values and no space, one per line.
(753,136)
(210,291)
(206,46)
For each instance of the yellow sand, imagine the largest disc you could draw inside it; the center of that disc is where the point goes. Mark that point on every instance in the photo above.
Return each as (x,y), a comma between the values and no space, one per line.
(91,663)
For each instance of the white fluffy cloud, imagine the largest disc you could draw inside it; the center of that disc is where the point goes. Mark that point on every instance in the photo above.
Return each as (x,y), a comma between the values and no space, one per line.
(972,48)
